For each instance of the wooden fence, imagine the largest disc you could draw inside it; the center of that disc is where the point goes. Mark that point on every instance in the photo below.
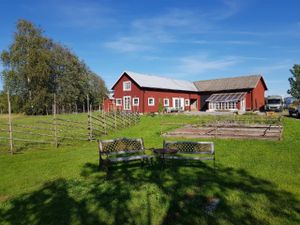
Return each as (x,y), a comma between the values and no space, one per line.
(57,130)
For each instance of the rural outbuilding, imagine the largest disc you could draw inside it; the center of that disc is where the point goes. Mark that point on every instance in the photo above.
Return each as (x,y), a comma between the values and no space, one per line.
(135,92)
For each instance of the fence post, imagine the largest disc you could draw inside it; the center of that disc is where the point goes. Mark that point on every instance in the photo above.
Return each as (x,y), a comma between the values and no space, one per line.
(91,125)
(54,122)
(115,117)
(105,122)
(89,117)
(11,144)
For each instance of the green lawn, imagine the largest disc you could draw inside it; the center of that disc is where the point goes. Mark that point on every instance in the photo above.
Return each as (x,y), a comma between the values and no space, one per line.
(257,182)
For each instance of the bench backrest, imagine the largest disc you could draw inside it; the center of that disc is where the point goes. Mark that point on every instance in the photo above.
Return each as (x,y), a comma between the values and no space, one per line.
(121,145)
(191,147)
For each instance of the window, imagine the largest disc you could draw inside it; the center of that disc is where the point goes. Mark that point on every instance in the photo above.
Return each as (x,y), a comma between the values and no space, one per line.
(151,101)
(135,101)
(232,105)
(127,101)
(187,102)
(118,101)
(178,103)
(166,102)
(126,86)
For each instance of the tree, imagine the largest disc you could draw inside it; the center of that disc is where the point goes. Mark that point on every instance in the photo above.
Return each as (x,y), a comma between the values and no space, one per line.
(295,82)
(36,68)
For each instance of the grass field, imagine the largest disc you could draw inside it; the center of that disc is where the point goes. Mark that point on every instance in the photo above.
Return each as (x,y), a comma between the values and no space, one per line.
(257,182)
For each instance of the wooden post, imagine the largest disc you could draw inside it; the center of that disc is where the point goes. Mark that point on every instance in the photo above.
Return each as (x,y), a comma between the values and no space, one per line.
(91,125)
(88,104)
(54,122)
(115,117)
(89,117)
(11,144)
(123,118)
(105,125)
(76,108)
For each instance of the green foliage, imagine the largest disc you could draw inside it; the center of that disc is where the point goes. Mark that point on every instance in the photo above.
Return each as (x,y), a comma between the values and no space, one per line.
(36,68)
(295,82)
(160,106)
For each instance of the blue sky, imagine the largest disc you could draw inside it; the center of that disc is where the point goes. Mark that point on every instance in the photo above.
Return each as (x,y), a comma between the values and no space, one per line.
(190,40)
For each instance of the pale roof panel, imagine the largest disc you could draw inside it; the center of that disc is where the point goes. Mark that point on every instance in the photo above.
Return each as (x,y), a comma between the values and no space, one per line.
(150,81)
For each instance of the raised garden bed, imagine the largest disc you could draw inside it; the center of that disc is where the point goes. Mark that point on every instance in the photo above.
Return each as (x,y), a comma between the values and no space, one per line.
(229,130)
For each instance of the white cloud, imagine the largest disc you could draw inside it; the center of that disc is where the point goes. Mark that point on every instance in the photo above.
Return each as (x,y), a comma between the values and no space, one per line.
(170,27)
(275,66)
(188,20)
(231,8)
(127,44)
(85,15)
(201,64)
(226,42)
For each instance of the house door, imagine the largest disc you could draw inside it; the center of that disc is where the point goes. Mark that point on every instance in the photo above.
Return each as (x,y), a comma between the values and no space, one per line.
(178,103)
(127,103)
(243,105)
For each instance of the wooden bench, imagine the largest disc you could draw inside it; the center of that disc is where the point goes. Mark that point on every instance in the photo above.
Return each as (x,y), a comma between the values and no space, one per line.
(121,150)
(189,150)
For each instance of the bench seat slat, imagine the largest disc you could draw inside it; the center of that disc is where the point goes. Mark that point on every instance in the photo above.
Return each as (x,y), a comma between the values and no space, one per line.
(129,158)
(123,152)
(196,153)
(188,158)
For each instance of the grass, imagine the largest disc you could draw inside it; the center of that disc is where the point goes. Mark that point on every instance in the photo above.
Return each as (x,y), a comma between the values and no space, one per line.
(257,182)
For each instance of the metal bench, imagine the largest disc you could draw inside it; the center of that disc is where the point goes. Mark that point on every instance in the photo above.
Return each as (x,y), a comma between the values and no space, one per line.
(121,150)
(188,150)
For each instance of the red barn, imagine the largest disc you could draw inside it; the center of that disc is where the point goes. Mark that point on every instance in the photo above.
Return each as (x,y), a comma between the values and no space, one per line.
(144,93)
(241,93)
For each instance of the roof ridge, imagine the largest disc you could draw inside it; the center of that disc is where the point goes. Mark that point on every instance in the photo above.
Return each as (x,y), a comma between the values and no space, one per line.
(243,76)
(154,81)
(153,75)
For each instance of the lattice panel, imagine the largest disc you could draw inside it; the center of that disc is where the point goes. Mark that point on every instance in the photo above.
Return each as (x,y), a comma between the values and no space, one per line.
(189,147)
(123,144)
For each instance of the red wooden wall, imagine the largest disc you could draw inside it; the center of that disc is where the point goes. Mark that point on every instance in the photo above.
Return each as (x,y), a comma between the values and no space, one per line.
(255,99)
(144,94)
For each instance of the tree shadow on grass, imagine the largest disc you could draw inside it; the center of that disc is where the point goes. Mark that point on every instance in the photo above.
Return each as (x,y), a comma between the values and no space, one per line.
(177,194)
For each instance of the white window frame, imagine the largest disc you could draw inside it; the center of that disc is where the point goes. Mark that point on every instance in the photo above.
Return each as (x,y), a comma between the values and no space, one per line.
(152,103)
(129,101)
(168,100)
(180,102)
(125,83)
(120,103)
(138,101)
(186,102)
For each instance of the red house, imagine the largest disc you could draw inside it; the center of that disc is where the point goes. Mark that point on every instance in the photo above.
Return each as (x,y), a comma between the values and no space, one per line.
(144,93)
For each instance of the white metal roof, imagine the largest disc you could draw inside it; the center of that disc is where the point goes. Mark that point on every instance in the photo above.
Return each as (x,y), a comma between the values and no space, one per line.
(150,81)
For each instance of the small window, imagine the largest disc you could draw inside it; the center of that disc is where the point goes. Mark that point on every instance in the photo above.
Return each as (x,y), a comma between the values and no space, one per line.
(118,101)
(187,102)
(151,101)
(135,101)
(126,86)
(166,102)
